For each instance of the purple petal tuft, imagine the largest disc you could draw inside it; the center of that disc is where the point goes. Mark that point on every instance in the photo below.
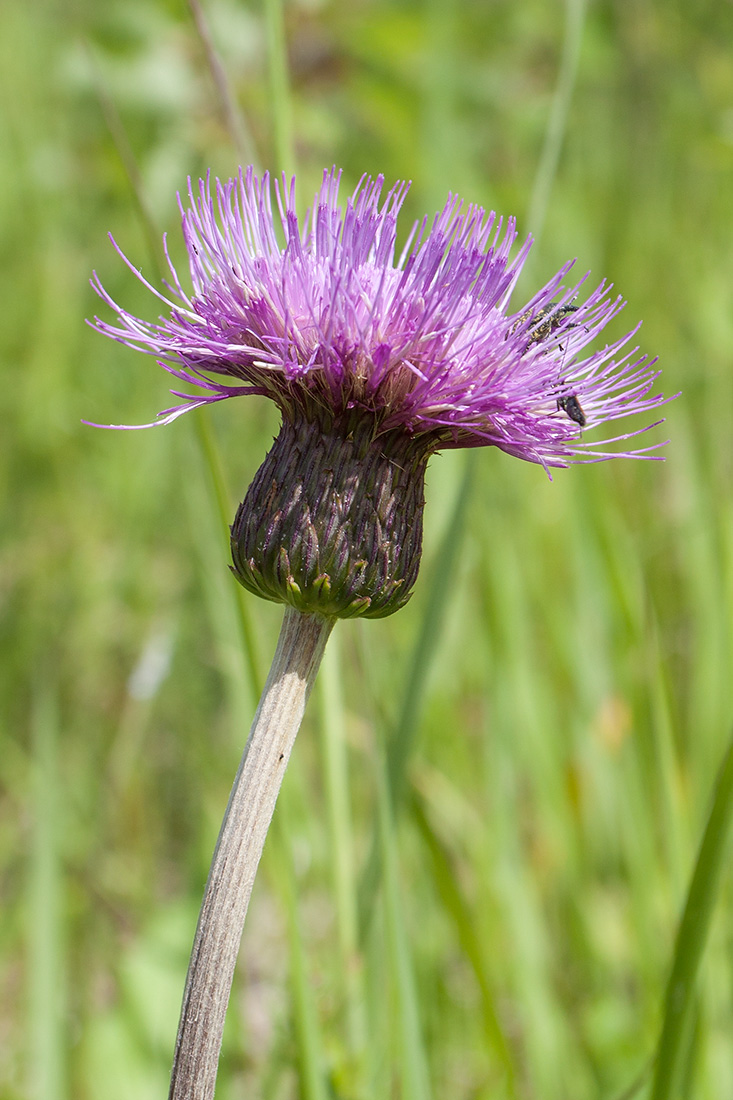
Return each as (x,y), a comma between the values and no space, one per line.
(326,316)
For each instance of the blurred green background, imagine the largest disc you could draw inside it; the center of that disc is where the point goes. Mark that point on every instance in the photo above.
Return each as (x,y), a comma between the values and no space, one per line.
(560,684)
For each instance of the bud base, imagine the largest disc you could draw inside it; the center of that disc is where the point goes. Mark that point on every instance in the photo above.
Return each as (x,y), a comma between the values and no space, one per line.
(332,522)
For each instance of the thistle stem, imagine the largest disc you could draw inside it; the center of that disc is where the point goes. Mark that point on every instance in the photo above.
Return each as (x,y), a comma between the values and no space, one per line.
(238,850)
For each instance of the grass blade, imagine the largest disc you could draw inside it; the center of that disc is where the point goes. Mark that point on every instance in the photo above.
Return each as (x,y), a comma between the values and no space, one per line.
(222,497)
(415,1079)
(455,905)
(305,1015)
(557,122)
(234,119)
(336,778)
(402,738)
(277,57)
(44,926)
(693,933)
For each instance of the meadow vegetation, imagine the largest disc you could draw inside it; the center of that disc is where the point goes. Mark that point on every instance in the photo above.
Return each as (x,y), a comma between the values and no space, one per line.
(490,821)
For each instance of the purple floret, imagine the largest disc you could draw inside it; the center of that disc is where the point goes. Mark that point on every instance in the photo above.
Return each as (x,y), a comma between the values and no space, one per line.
(327,321)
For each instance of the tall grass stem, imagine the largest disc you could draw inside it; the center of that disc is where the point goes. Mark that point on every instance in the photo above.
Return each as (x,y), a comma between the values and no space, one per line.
(692,935)
(402,737)
(277,58)
(234,118)
(413,1056)
(454,903)
(558,120)
(306,1025)
(336,775)
(238,850)
(220,492)
(45,924)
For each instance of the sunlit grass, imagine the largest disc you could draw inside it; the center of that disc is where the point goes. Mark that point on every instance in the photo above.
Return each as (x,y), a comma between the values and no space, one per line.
(529,769)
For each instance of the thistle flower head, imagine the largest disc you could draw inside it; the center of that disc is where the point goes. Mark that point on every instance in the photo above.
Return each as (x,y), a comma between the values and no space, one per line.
(375,352)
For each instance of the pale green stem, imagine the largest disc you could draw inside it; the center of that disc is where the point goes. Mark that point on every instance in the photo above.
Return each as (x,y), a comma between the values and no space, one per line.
(446,881)
(221,494)
(693,933)
(558,120)
(343,863)
(45,910)
(415,1076)
(277,57)
(238,850)
(402,738)
(311,1074)
(442,143)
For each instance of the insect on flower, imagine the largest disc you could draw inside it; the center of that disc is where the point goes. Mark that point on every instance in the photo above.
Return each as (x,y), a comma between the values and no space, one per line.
(378,357)
(545,322)
(570,405)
